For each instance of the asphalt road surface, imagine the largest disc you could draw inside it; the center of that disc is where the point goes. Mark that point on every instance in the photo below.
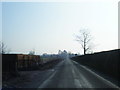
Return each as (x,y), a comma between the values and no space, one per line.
(70,74)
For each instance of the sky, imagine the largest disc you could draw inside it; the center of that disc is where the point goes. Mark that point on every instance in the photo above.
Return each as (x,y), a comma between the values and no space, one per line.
(47,27)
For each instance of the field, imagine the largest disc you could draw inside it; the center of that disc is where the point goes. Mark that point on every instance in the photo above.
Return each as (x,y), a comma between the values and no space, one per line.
(12,64)
(14,78)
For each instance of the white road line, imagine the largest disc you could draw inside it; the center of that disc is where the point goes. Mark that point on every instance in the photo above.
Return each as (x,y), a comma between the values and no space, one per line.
(98,76)
(73,71)
(75,62)
(80,83)
(77,83)
(43,85)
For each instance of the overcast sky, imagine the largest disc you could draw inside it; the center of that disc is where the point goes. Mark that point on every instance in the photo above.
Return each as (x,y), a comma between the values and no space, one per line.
(47,27)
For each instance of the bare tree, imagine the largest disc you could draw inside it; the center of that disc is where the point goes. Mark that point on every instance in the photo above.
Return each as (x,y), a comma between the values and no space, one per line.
(84,39)
(3,48)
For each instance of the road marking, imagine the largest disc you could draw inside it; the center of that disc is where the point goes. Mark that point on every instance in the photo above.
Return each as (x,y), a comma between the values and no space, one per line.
(100,77)
(73,71)
(110,83)
(44,84)
(75,62)
(51,70)
(77,83)
(80,83)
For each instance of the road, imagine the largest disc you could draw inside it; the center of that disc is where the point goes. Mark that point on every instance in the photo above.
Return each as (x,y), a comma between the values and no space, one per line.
(69,74)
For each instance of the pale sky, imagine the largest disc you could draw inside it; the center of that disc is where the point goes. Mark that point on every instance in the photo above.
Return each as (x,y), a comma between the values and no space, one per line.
(47,27)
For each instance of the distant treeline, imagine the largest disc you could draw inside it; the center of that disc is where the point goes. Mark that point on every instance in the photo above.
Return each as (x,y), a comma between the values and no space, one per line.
(107,62)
